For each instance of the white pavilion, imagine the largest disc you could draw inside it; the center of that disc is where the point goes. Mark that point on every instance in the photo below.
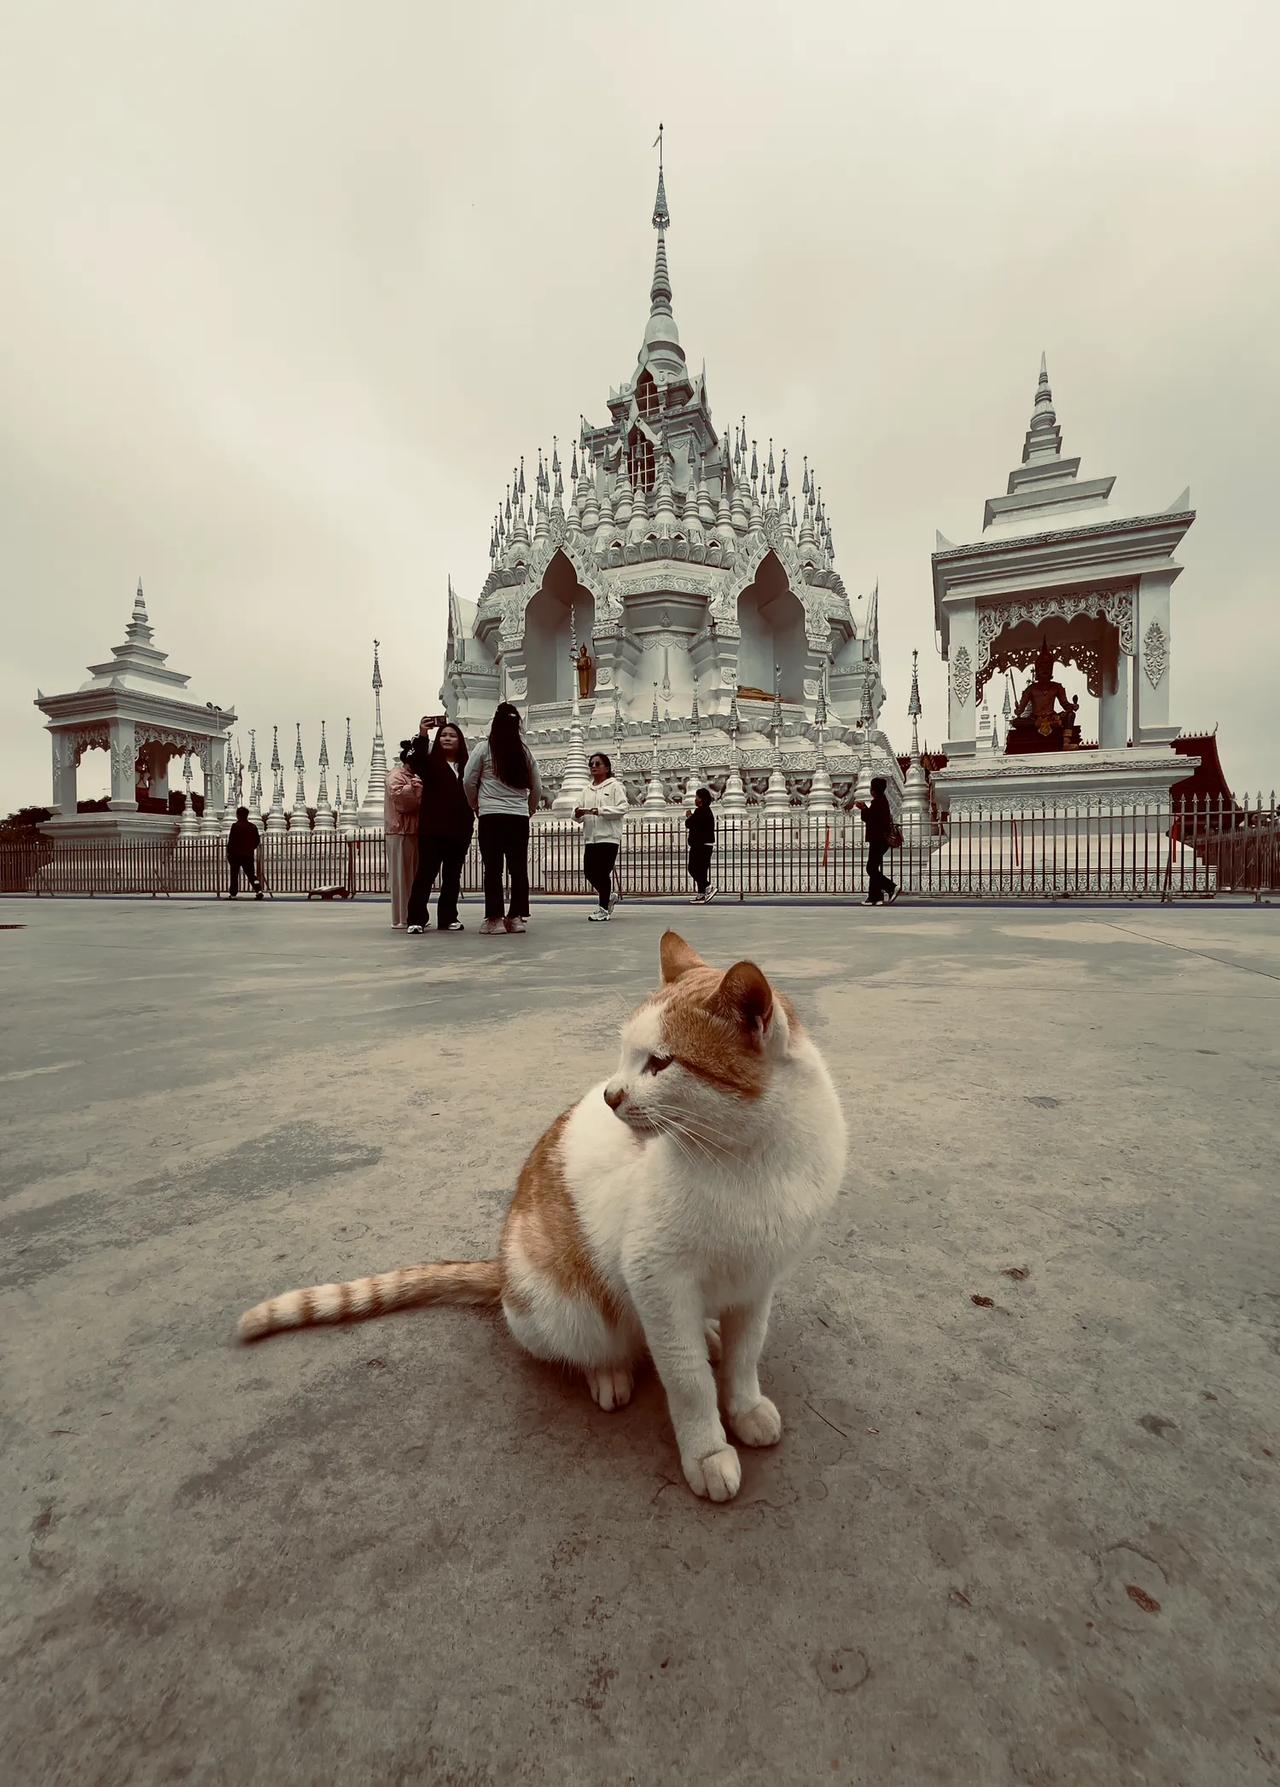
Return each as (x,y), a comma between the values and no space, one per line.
(1056,566)
(140,711)
(676,602)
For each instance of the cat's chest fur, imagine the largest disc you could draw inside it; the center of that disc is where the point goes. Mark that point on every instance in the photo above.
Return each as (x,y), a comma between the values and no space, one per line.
(731,1223)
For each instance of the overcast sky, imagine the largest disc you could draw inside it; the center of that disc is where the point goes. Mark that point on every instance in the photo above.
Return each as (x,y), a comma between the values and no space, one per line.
(289,287)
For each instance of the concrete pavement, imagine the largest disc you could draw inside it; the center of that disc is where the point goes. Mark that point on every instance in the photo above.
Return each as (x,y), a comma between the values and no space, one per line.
(1021,1527)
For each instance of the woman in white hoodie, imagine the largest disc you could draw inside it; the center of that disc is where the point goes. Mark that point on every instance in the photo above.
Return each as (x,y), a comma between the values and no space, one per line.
(601,808)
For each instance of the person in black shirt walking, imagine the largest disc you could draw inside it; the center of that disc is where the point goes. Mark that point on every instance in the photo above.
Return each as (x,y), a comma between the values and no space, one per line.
(242,853)
(445,826)
(701,827)
(878,822)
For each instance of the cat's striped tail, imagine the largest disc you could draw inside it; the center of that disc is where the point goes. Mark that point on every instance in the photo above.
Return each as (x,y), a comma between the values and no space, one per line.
(447,1281)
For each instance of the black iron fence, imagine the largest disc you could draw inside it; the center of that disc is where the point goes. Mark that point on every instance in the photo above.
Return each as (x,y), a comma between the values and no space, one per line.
(1091,851)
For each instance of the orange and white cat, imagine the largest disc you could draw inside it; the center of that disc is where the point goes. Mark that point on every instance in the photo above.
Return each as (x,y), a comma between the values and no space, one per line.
(657,1215)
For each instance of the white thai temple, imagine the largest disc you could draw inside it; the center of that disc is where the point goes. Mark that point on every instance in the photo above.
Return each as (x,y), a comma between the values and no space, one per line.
(671,595)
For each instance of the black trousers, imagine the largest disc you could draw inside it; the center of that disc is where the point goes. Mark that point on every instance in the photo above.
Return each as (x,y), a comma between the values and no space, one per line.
(700,865)
(443,857)
(597,866)
(246,866)
(504,844)
(878,883)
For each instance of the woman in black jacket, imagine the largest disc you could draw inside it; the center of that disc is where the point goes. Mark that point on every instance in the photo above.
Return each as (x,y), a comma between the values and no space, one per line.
(701,827)
(877,820)
(444,830)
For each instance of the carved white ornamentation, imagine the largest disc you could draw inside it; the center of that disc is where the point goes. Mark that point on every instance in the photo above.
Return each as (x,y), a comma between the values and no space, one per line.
(1000,616)
(961,674)
(1155,653)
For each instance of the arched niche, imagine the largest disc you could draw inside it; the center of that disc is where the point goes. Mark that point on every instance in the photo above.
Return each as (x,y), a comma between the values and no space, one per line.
(771,625)
(547,645)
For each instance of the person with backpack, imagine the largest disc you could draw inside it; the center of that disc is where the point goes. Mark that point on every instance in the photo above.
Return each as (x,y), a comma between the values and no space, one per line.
(882,835)
(700,825)
(242,853)
(503,786)
(446,823)
(601,808)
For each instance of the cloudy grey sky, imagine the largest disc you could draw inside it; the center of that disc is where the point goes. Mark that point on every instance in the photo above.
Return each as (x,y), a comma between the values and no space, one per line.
(288,287)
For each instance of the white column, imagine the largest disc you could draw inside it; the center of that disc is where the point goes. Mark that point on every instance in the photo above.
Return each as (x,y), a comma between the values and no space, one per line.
(124,782)
(214,758)
(1152,653)
(64,774)
(962,669)
(1113,703)
(158,757)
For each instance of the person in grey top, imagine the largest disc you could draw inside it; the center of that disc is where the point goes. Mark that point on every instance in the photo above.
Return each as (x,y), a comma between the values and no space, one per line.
(502,784)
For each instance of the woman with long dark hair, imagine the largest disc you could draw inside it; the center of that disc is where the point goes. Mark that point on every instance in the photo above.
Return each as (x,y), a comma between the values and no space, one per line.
(503,787)
(700,824)
(444,834)
(601,808)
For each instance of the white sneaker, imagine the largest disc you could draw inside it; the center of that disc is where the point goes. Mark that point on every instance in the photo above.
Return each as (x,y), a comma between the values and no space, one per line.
(698,900)
(711,894)
(598,916)
(414,931)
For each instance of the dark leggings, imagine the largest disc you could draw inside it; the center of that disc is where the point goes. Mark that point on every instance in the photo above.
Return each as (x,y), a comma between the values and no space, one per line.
(597,866)
(700,865)
(443,857)
(504,843)
(246,866)
(878,883)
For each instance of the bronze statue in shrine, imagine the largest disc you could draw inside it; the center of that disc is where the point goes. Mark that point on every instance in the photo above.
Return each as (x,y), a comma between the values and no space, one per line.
(585,667)
(1044,719)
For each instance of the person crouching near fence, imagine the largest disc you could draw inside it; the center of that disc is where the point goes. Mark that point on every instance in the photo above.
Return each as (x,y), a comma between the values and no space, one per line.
(401,800)
(444,836)
(602,807)
(242,853)
(701,827)
(502,784)
(878,822)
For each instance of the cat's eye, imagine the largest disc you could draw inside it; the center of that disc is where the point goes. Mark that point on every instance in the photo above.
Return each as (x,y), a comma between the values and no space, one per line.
(656,1063)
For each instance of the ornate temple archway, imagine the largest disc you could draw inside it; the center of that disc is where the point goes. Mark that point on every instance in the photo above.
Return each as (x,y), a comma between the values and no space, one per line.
(771,624)
(547,649)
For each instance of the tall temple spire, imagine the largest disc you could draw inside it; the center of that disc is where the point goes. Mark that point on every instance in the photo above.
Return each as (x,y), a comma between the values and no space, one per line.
(371,806)
(275,817)
(325,819)
(299,818)
(915,793)
(348,808)
(661,336)
(1044,436)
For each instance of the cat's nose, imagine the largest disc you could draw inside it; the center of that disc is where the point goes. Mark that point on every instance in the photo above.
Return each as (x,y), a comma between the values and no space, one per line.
(614,1095)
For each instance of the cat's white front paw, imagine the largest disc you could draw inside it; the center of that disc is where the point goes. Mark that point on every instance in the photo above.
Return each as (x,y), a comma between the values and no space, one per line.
(711,1331)
(610,1385)
(760,1426)
(717,1476)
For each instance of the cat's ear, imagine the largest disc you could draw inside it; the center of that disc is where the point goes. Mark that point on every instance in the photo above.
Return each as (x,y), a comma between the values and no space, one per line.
(745,997)
(677,957)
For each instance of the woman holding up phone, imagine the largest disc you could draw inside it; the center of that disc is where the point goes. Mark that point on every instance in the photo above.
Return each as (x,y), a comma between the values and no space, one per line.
(601,809)
(444,835)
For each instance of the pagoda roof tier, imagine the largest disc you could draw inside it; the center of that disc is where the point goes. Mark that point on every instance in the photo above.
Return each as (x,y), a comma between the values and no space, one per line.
(136,683)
